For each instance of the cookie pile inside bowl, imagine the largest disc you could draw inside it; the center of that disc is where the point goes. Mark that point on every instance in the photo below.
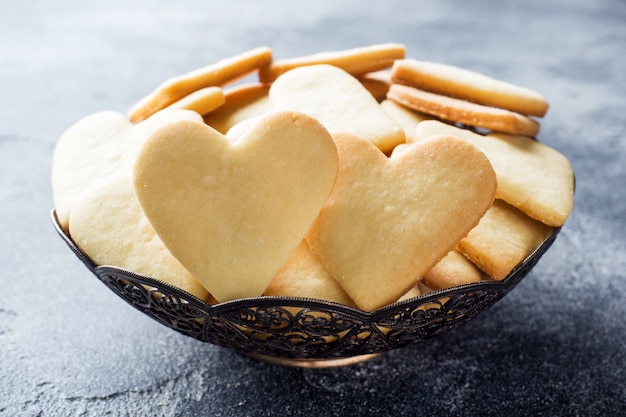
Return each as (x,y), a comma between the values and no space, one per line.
(358,177)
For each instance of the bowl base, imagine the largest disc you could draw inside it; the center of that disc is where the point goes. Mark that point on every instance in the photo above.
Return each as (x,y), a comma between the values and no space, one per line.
(314,363)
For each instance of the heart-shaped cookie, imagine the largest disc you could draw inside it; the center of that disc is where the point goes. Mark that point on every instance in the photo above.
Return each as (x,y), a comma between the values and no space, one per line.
(532,176)
(339,101)
(389,220)
(304,276)
(97,146)
(126,240)
(233,213)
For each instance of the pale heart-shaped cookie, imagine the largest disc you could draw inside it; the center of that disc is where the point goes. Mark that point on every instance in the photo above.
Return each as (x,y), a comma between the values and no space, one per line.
(304,276)
(97,146)
(532,176)
(243,102)
(126,239)
(233,212)
(389,220)
(339,101)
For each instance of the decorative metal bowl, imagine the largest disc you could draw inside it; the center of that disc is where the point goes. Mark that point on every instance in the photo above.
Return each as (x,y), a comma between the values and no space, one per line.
(306,332)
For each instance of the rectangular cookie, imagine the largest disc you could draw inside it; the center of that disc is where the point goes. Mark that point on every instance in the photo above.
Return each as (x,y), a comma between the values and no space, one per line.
(453,270)
(503,238)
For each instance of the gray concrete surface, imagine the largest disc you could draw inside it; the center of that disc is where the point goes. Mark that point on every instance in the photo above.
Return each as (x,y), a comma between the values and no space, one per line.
(555,346)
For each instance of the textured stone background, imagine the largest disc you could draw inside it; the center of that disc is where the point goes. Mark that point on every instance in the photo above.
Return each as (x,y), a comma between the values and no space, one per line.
(68,347)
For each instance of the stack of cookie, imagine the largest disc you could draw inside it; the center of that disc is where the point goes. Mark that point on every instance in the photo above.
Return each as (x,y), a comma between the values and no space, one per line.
(358,177)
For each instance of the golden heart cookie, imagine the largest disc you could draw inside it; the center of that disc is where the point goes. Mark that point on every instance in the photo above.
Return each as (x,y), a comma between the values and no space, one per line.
(303,275)
(125,240)
(389,220)
(339,101)
(233,212)
(97,146)
(532,176)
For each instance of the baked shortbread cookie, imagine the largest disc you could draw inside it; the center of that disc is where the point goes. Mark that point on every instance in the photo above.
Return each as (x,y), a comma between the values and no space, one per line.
(201,101)
(238,130)
(99,145)
(423,288)
(400,148)
(504,237)
(404,116)
(468,85)
(243,102)
(462,111)
(233,212)
(339,101)
(377,83)
(304,276)
(532,176)
(215,75)
(453,270)
(125,240)
(355,61)
(389,220)
(412,293)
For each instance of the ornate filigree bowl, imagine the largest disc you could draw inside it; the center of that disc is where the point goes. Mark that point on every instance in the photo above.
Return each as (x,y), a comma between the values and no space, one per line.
(306,332)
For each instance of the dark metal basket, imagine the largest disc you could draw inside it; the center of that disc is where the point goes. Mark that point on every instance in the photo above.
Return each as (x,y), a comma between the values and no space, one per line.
(304,331)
